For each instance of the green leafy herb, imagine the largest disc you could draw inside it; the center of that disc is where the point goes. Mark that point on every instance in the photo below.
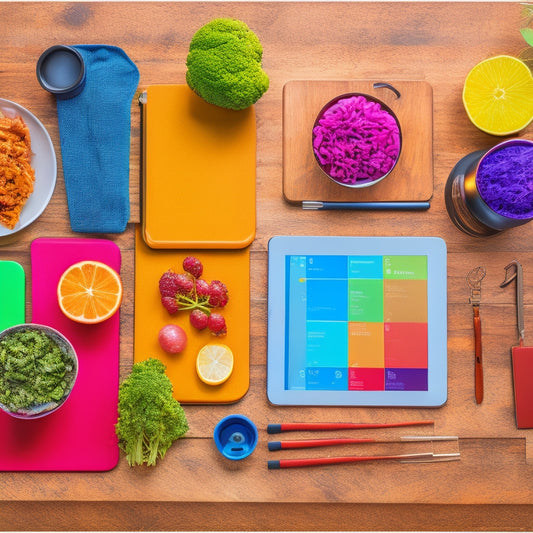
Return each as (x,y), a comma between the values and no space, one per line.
(525,23)
(150,418)
(527,34)
(33,370)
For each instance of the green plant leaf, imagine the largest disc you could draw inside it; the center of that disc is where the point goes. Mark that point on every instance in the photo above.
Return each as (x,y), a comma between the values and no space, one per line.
(527,34)
(527,10)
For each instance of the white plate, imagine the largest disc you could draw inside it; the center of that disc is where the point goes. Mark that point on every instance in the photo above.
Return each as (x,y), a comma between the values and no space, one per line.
(43,162)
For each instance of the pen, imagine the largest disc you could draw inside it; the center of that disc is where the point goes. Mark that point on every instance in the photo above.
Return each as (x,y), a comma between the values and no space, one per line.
(365,206)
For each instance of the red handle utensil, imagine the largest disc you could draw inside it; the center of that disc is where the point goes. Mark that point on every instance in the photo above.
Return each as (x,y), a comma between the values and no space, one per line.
(313,443)
(326,426)
(522,356)
(317,461)
(474,278)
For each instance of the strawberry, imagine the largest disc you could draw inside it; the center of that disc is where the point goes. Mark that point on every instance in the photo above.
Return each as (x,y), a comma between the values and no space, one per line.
(198,319)
(184,284)
(168,283)
(170,304)
(218,294)
(202,290)
(217,324)
(186,291)
(193,266)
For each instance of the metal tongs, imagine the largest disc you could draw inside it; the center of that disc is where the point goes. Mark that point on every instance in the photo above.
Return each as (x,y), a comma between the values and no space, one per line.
(474,278)
(519,276)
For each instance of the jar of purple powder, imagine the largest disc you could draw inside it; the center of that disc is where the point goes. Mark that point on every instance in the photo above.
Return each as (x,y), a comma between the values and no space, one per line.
(490,191)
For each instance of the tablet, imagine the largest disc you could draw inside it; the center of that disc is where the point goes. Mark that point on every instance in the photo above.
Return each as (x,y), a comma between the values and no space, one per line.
(357,321)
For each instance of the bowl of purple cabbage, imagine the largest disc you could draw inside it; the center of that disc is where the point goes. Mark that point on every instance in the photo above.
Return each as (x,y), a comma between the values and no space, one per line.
(356,140)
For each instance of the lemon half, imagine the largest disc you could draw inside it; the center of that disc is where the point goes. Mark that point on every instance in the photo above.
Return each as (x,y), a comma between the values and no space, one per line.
(498,95)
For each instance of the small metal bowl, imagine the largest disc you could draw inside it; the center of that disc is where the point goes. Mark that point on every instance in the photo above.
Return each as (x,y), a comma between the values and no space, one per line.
(366,182)
(38,411)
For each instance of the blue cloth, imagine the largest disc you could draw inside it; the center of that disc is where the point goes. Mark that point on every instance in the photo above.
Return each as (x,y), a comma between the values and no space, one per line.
(94,130)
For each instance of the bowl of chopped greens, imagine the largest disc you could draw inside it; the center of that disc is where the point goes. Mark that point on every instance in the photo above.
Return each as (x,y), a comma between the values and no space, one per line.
(356,140)
(38,370)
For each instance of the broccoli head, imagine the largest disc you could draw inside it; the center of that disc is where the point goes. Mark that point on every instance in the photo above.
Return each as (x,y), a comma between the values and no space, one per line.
(224,64)
(150,419)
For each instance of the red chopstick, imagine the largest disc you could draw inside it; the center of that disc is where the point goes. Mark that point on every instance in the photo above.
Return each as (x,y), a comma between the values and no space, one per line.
(313,443)
(317,461)
(323,426)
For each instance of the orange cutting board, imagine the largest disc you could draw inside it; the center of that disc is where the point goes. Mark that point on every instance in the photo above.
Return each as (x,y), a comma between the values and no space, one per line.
(230,266)
(199,171)
(412,177)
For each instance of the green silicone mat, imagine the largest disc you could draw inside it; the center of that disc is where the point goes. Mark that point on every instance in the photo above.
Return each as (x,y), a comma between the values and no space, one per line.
(12,294)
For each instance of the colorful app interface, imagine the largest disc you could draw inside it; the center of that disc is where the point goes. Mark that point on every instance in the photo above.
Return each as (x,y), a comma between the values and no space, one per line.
(357,323)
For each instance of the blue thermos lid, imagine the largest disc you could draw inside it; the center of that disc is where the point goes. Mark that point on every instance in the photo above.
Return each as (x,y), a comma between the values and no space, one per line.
(61,71)
(235,437)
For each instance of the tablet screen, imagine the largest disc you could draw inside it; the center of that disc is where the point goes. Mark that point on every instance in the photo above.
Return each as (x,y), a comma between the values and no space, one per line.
(357,321)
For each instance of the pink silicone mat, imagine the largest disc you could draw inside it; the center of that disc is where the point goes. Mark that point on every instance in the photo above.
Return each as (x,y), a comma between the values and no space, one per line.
(80,436)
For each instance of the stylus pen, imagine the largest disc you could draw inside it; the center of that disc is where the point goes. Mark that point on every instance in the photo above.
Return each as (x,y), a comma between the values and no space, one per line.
(316,443)
(316,461)
(324,426)
(365,206)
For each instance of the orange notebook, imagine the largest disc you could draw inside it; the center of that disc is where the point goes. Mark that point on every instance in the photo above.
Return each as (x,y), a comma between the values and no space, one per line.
(198,187)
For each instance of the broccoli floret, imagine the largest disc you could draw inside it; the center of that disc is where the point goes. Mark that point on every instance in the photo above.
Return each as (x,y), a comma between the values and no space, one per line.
(150,419)
(224,64)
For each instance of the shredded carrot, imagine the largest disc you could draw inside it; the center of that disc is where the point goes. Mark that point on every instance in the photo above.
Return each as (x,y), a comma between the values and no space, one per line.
(16,173)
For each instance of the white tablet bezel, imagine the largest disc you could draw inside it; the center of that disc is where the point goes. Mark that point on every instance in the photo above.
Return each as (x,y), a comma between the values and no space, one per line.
(433,248)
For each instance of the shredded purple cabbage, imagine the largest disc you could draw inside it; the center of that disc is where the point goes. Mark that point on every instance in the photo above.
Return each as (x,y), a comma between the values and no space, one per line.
(505,181)
(356,141)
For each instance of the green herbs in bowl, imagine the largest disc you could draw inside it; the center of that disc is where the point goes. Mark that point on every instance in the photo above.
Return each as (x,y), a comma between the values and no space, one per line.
(38,369)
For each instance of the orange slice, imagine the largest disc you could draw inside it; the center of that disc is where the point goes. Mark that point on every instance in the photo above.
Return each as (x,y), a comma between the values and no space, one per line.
(214,363)
(89,292)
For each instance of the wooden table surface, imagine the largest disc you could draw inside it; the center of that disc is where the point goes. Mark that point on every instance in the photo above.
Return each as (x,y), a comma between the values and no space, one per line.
(491,487)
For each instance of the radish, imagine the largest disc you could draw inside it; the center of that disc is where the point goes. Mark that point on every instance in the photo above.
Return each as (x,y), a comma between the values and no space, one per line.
(172,338)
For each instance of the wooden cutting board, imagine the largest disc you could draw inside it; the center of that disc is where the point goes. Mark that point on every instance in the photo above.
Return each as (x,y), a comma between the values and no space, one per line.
(412,177)
(80,436)
(230,266)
